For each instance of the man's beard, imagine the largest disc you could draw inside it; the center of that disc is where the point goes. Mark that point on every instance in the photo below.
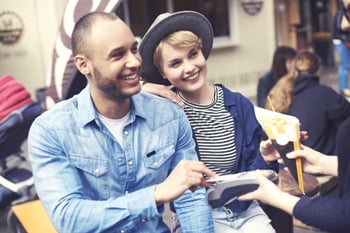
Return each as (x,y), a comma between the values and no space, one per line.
(108,86)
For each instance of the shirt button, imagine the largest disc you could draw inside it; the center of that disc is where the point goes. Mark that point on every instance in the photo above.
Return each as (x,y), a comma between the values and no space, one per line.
(130,163)
(126,133)
(143,220)
(122,231)
(155,163)
(97,171)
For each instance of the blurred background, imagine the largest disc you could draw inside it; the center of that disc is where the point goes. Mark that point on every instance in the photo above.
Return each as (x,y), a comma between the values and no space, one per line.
(246,34)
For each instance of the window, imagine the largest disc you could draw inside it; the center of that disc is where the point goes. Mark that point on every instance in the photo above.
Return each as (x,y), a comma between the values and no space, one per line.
(139,14)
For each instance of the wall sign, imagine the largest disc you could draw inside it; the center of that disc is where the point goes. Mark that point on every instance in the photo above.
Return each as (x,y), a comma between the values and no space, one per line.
(11,28)
(252,7)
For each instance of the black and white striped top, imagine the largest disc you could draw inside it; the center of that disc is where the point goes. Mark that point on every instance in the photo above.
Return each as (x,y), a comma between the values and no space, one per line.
(213,127)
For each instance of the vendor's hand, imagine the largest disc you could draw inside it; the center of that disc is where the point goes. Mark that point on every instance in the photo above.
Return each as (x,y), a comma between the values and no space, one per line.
(314,161)
(187,175)
(265,191)
(163,91)
(270,194)
(269,152)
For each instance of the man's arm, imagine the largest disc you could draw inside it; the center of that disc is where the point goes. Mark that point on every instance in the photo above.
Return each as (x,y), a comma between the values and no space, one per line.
(193,211)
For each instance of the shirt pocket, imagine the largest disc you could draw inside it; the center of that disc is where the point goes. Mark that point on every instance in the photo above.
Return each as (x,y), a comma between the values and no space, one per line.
(93,174)
(157,157)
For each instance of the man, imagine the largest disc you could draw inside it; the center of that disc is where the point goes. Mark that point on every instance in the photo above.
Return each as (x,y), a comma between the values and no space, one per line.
(107,159)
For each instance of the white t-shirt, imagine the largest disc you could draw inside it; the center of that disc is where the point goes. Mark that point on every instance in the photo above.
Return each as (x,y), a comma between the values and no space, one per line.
(115,126)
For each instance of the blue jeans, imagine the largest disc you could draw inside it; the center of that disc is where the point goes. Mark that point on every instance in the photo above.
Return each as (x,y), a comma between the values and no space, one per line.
(344,64)
(253,219)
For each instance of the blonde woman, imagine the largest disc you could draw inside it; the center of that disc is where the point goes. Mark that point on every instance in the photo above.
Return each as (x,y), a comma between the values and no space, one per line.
(319,108)
(227,134)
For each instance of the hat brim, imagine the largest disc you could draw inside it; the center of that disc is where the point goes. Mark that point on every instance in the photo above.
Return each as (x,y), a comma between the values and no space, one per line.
(183,20)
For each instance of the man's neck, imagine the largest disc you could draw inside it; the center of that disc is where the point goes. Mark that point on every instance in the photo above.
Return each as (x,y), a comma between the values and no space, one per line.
(112,109)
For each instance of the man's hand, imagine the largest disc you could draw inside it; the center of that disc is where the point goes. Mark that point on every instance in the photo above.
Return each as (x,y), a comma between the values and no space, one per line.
(186,175)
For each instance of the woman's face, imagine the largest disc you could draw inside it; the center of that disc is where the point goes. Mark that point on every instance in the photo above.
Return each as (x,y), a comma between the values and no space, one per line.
(185,68)
(289,64)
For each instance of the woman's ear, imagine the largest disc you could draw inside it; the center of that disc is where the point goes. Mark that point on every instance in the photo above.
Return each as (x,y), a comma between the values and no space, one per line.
(81,63)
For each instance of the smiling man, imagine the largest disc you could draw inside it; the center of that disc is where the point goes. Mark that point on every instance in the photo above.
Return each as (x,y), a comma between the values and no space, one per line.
(107,159)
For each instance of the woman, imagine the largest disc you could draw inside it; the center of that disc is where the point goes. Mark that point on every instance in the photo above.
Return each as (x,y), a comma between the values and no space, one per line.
(319,108)
(227,134)
(282,64)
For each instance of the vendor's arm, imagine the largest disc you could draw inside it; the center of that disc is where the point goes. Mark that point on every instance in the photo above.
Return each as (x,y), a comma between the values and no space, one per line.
(330,214)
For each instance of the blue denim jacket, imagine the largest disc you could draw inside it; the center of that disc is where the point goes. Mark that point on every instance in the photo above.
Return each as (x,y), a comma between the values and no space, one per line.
(89,183)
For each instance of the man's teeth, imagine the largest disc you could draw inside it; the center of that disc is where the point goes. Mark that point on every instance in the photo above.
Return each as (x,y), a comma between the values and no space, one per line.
(130,77)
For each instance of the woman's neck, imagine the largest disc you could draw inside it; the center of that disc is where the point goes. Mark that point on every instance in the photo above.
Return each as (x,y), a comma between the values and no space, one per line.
(202,96)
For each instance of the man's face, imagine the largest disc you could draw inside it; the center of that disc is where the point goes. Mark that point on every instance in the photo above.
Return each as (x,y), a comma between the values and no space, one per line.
(114,61)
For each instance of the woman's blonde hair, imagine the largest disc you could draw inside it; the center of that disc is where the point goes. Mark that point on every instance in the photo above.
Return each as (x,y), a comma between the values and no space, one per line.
(280,96)
(178,39)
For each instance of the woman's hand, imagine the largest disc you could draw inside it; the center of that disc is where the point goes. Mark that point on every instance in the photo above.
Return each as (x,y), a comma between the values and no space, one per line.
(163,91)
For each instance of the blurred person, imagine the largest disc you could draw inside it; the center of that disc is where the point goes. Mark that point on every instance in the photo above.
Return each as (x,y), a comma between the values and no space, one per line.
(341,42)
(226,131)
(282,63)
(108,159)
(13,95)
(319,108)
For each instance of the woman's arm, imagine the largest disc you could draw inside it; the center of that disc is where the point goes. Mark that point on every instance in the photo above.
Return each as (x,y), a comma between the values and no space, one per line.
(163,91)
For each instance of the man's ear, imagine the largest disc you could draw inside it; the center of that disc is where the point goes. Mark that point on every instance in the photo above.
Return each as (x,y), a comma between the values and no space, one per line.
(82,64)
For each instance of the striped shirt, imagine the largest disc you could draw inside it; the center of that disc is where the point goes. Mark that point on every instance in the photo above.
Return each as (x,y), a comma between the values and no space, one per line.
(213,127)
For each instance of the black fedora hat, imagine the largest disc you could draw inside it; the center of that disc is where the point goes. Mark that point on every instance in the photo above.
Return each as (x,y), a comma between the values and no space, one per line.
(166,24)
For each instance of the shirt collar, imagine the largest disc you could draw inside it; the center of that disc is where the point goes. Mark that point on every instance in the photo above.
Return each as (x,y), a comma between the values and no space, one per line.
(87,112)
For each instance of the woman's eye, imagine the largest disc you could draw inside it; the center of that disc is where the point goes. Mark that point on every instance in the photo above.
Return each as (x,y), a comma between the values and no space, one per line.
(175,64)
(193,53)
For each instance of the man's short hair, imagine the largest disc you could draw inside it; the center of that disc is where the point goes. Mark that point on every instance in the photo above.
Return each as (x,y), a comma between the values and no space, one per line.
(83,27)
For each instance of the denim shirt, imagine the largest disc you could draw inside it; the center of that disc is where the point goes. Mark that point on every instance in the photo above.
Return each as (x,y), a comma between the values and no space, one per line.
(89,183)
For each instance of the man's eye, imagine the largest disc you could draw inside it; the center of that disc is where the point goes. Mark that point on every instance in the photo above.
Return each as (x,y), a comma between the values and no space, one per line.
(117,54)
(134,49)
